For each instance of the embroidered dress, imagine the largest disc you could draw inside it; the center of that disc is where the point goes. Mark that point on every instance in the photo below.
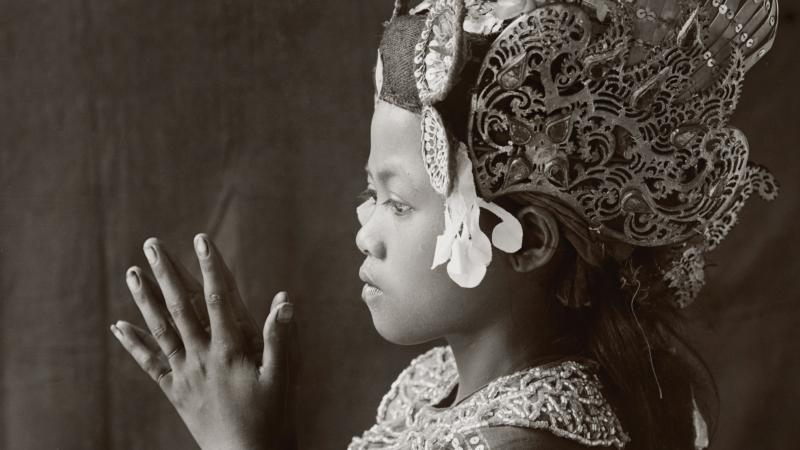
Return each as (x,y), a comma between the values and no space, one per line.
(563,398)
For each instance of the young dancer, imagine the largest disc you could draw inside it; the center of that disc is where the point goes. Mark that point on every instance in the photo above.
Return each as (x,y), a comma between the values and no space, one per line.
(544,180)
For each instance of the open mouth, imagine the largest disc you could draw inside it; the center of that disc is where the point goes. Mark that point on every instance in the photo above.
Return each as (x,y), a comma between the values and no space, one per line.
(370,292)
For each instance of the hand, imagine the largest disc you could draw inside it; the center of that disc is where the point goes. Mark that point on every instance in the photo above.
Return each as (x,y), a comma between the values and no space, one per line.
(206,356)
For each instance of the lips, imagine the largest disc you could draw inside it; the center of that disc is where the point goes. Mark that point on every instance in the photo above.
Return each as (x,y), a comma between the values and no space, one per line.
(364,275)
(366,278)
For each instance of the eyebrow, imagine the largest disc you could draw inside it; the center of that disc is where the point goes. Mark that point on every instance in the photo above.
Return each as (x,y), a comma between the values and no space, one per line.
(383,174)
(386,174)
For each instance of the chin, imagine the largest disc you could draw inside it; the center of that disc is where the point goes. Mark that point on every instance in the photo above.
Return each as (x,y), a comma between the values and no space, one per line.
(401,331)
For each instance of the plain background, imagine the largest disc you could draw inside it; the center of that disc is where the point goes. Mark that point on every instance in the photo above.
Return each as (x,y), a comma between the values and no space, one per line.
(249,120)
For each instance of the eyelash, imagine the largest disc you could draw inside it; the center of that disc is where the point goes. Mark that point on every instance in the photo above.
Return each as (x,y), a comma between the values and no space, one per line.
(398,208)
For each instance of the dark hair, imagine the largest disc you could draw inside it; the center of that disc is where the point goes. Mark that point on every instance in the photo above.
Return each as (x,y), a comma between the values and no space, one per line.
(631,329)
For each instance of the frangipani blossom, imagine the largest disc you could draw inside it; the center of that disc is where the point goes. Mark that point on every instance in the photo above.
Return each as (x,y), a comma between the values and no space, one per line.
(481,19)
(440,57)
(509,9)
(463,243)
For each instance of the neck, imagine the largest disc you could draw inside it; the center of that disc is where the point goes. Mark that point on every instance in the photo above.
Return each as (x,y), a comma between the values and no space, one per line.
(503,346)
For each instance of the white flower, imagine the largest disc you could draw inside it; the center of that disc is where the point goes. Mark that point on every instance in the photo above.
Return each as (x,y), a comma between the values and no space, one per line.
(423,6)
(463,242)
(480,18)
(509,9)
(440,56)
(486,18)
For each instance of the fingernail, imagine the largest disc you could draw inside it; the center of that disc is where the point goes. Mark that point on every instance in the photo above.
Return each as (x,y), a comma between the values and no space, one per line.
(201,246)
(150,254)
(117,332)
(285,313)
(133,280)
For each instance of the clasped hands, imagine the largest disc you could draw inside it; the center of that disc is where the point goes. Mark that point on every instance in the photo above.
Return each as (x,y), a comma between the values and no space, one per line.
(227,379)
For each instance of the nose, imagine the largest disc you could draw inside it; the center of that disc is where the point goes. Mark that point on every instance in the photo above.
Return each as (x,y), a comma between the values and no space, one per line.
(368,243)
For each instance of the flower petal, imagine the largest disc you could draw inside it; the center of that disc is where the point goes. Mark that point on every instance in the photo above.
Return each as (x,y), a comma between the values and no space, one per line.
(480,252)
(506,9)
(464,177)
(480,18)
(424,5)
(509,9)
(462,241)
(465,273)
(507,235)
(444,249)
(364,211)
(481,248)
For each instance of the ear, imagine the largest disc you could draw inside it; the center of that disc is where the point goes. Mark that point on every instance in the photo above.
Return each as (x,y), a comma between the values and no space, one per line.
(540,239)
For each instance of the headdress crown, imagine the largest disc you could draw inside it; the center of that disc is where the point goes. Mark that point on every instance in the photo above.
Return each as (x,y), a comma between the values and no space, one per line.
(616,109)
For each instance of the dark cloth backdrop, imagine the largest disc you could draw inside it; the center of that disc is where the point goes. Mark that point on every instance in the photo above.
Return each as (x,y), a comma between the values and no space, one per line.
(123,119)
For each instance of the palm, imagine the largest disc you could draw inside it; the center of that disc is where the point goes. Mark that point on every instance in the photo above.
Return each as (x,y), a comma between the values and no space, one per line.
(227,381)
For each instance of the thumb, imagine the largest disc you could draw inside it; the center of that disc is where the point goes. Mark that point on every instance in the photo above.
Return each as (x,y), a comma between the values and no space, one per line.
(274,361)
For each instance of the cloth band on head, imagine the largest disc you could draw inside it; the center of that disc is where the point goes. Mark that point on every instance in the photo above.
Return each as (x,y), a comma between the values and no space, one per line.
(397,54)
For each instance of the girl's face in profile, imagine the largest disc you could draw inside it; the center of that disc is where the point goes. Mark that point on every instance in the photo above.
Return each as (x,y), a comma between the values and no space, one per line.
(401,221)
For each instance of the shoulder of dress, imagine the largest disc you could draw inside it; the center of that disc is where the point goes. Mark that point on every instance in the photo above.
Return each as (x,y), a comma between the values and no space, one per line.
(483,438)
(565,399)
(516,438)
(507,438)
(428,378)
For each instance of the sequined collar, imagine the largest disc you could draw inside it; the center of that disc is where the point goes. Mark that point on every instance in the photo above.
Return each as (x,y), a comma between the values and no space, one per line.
(564,398)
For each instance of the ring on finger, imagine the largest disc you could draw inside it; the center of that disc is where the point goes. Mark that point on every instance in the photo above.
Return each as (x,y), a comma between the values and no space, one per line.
(175,352)
(164,373)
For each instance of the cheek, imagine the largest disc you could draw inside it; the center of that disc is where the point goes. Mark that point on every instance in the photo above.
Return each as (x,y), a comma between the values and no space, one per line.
(412,256)
(421,304)
(417,299)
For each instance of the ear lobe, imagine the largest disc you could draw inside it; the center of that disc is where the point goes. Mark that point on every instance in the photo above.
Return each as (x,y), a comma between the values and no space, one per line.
(540,239)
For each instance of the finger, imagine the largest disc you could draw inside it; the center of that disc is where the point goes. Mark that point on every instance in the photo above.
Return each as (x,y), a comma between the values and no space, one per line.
(248,325)
(193,286)
(146,356)
(274,360)
(224,330)
(158,296)
(176,296)
(146,338)
(196,300)
(154,314)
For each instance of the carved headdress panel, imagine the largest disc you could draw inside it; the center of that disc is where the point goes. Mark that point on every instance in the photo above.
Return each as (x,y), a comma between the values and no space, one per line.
(617,110)
(636,148)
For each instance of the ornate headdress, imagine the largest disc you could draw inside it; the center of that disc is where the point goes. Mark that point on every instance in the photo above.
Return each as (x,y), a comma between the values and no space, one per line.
(613,112)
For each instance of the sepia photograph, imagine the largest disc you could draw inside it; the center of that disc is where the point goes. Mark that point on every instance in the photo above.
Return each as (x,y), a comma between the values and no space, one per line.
(399,225)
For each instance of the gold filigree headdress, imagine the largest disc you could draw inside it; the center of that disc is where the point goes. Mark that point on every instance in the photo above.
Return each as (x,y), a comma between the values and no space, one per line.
(616,109)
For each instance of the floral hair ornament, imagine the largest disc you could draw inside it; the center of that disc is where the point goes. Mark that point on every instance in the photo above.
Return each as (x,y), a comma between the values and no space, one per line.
(438,59)
(463,242)
(509,9)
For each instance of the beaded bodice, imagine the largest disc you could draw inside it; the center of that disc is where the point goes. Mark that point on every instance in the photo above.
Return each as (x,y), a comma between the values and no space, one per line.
(564,398)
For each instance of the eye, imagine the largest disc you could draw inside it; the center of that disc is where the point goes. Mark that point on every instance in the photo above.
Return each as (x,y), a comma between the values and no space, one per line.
(398,208)
(368,197)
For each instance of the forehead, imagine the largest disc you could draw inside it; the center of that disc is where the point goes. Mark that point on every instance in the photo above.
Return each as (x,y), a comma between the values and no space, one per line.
(395,143)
